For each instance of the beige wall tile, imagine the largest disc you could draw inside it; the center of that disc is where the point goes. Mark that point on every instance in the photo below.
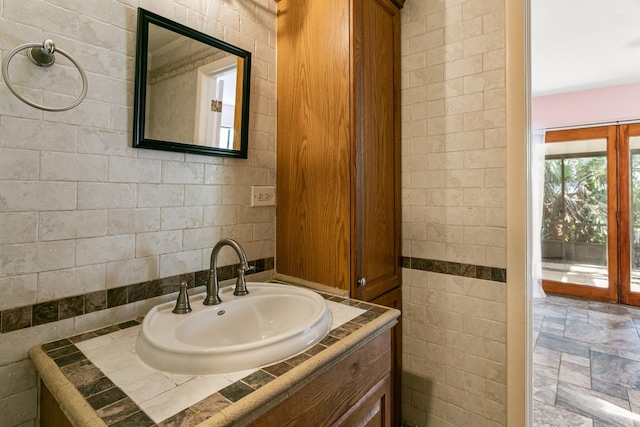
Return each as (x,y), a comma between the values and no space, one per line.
(176,263)
(19,164)
(72,224)
(220,175)
(125,169)
(428,250)
(136,270)
(202,195)
(30,196)
(160,195)
(464,103)
(445,233)
(200,238)
(36,135)
(465,215)
(18,228)
(414,162)
(220,215)
(99,250)
(104,142)
(485,236)
(18,408)
(128,221)
(445,161)
(59,284)
(465,178)
(445,53)
(97,319)
(181,218)
(36,257)
(157,243)
(486,42)
(182,173)
(100,195)
(487,80)
(18,291)
(21,376)
(496,257)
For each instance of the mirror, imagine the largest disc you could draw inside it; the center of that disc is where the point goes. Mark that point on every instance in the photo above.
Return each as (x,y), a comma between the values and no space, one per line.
(191,90)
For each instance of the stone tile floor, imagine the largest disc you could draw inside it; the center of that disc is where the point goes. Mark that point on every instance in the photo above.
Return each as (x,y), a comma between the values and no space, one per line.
(586,363)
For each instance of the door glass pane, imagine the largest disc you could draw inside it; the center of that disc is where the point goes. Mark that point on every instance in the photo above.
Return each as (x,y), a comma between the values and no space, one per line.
(634,174)
(574,222)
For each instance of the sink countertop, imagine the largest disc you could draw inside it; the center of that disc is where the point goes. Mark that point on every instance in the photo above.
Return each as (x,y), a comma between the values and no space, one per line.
(97,378)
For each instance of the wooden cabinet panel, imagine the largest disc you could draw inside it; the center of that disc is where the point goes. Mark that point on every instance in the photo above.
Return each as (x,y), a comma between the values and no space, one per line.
(50,413)
(314,124)
(373,410)
(377,62)
(393,299)
(338,391)
(338,162)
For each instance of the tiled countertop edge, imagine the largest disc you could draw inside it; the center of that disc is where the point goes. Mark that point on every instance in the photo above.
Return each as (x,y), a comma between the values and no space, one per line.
(71,402)
(269,396)
(80,413)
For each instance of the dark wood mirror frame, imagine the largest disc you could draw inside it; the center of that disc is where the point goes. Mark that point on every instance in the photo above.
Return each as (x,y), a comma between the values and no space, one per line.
(139,107)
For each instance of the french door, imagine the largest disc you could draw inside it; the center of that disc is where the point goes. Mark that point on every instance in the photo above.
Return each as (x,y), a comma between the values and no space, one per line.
(590,237)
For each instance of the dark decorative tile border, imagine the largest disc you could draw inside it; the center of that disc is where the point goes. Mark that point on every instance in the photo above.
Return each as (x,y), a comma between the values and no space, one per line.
(456,269)
(119,410)
(38,314)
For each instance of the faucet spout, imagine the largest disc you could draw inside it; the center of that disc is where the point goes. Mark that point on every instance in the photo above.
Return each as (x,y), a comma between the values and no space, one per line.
(213,288)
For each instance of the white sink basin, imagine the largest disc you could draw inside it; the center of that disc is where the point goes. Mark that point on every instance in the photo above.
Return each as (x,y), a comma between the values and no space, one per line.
(272,323)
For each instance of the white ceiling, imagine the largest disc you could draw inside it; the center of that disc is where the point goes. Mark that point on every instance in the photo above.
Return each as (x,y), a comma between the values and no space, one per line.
(584,44)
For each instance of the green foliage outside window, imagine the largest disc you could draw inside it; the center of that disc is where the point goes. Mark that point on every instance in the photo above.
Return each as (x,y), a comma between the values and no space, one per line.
(575,200)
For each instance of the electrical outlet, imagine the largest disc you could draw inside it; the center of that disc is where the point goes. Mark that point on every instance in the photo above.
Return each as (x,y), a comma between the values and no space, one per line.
(263,196)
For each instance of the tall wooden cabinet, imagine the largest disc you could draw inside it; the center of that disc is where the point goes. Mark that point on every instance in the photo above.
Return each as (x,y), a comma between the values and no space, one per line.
(338,147)
(338,180)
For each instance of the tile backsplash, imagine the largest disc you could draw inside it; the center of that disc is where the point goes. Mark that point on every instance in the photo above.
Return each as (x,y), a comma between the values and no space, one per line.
(51,311)
(86,219)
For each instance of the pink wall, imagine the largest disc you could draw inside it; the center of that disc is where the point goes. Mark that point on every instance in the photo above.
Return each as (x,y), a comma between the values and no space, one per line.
(610,104)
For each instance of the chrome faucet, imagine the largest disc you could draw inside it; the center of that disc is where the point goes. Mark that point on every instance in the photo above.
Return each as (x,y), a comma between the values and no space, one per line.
(213,288)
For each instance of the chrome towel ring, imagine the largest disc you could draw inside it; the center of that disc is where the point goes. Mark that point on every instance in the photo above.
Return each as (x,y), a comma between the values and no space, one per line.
(42,56)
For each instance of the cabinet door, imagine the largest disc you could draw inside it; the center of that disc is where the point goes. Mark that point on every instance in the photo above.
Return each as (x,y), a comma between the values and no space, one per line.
(393,299)
(314,212)
(336,392)
(373,410)
(377,131)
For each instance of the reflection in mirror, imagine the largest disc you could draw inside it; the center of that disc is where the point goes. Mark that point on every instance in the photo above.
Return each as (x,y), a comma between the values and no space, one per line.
(195,90)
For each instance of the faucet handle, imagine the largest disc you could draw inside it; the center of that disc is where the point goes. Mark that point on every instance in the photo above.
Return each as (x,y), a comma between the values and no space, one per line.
(182,305)
(241,283)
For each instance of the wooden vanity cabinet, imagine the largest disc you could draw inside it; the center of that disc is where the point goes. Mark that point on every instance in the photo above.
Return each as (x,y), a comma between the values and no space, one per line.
(355,392)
